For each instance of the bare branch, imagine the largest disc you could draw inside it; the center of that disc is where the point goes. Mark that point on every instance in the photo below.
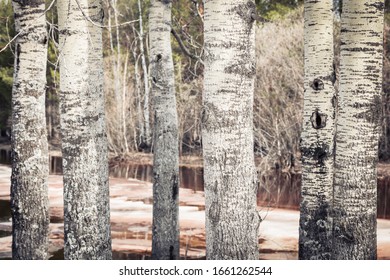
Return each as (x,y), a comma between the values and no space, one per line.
(26,29)
(198,10)
(183,47)
(10,42)
(99,25)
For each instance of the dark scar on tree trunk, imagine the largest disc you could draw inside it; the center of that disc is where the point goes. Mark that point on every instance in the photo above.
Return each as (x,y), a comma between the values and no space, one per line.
(318,120)
(171,254)
(175,187)
(18,51)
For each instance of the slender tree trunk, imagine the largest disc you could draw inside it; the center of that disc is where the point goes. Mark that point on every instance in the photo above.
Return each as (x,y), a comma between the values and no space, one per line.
(121,103)
(146,125)
(355,182)
(165,241)
(118,57)
(29,193)
(317,144)
(84,141)
(124,103)
(232,220)
(139,127)
(337,9)
(137,85)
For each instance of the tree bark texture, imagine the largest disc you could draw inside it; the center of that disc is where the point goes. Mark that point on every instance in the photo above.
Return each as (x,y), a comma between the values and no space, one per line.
(165,241)
(84,140)
(29,192)
(317,138)
(232,220)
(355,182)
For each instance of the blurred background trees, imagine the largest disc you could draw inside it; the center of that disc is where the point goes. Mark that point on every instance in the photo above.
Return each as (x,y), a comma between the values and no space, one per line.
(278,92)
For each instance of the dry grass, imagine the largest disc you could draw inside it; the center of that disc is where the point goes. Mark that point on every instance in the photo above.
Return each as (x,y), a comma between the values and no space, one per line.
(278,99)
(279,91)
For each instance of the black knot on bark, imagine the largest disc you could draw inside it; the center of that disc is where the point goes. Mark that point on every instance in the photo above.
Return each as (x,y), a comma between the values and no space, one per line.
(158,57)
(43,40)
(318,120)
(320,154)
(379,5)
(317,84)
(30,3)
(247,11)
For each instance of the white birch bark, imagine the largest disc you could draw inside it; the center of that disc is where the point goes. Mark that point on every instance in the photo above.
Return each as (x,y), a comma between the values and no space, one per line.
(165,239)
(317,139)
(29,193)
(84,142)
(355,182)
(232,220)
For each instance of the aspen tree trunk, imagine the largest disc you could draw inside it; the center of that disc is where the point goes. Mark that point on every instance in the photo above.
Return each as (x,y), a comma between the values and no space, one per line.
(317,139)
(355,182)
(232,220)
(29,193)
(165,240)
(84,141)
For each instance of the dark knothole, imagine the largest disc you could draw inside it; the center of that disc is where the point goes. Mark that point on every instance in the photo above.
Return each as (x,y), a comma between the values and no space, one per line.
(317,84)
(171,253)
(318,120)
(158,57)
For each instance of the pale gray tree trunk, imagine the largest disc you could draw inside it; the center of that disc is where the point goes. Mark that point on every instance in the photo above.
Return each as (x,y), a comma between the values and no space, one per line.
(317,139)
(29,193)
(84,141)
(137,85)
(355,182)
(337,5)
(139,127)
(165,239)
(232,220)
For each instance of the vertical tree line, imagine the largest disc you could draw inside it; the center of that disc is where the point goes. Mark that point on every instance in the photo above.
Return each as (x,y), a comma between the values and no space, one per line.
(317,137)
(358,120)
(232,221)
(339,142)
(29,190)
(83,129)
(165,237)
(339,190)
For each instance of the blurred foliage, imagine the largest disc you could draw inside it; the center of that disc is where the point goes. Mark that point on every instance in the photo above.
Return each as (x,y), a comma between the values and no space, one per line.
(6,61)
(272,10)
(279,78)
(7,32)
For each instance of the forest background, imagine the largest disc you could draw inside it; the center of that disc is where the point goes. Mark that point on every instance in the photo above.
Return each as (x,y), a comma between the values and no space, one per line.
(278,90)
